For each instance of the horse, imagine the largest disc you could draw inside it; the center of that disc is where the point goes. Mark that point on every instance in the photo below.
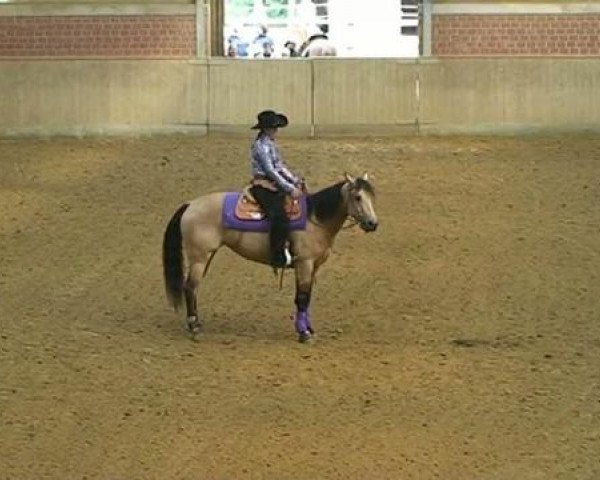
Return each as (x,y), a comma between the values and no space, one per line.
(197,230)
(318,46)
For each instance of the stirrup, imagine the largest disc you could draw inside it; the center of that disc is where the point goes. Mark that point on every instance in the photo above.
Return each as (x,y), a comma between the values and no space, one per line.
(283,261)
(288,257)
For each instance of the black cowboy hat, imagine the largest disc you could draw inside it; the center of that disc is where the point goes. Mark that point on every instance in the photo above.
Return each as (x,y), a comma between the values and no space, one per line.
(270,119)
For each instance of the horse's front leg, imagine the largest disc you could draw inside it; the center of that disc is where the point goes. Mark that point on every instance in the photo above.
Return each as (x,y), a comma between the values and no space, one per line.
(304,281)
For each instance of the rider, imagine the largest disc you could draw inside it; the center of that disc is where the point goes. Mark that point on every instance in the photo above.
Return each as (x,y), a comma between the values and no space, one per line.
(271,182)
(314,33)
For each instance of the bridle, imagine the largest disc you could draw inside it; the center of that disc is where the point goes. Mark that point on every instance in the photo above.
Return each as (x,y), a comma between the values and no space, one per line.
(354,216)
(349,216)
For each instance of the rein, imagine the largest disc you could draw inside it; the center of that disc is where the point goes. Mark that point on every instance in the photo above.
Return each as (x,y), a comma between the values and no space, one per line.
(344,227)
(314,221)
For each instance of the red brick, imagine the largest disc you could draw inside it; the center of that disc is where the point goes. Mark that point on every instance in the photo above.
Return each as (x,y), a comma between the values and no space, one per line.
(518,34)
(96,35)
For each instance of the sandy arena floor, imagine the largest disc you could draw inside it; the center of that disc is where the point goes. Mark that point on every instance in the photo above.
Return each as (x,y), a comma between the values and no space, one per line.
(460,341)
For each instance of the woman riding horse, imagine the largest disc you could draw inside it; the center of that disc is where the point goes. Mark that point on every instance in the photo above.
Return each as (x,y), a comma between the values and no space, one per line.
(271,182)
(197,230)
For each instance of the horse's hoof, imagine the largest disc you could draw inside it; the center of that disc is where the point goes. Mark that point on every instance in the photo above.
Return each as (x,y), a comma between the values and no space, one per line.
(194,326)
(306,337)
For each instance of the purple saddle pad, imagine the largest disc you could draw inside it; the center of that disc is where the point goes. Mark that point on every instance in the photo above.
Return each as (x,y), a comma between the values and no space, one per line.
(230,220)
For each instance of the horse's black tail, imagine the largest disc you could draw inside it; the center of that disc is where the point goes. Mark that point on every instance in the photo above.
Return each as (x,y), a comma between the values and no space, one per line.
(173,258)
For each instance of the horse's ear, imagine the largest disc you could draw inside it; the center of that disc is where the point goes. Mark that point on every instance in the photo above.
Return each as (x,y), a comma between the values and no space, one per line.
(365,177)
(349,178)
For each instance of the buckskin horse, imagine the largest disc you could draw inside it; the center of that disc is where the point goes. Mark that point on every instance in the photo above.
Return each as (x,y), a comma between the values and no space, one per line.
(200,227)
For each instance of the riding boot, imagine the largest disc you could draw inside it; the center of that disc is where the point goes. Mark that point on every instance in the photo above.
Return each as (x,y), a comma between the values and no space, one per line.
(272,204)
(280,255)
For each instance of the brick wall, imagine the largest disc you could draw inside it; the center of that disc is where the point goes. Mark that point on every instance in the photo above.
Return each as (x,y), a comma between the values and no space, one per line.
(138,36)
(530,35)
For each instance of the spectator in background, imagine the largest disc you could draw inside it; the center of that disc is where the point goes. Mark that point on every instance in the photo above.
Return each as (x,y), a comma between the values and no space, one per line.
(236,47)
(263,42)
(290,49)
(267,51)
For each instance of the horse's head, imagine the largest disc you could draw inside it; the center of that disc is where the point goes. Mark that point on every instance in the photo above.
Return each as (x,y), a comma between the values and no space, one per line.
(360,197)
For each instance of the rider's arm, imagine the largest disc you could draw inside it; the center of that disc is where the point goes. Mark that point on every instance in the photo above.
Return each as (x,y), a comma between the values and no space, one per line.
(265,156)
(289,176)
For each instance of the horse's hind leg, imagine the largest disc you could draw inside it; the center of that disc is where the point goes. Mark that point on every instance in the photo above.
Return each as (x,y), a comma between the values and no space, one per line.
(195,273)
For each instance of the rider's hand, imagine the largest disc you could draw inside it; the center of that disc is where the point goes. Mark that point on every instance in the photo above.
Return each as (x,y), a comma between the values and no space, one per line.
(302,186)
(296,193)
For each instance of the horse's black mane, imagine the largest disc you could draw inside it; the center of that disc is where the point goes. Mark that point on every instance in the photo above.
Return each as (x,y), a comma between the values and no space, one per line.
(326,203)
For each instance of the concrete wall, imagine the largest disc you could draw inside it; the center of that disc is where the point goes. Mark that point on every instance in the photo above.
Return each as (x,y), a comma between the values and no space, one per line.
(239,89)
(320,96)
(509,95)
(369,96)
(93,96)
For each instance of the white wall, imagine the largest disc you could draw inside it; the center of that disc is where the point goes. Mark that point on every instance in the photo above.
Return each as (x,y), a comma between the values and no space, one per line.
(369,29)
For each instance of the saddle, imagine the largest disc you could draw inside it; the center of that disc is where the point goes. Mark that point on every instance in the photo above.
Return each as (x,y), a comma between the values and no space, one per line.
(247,208)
